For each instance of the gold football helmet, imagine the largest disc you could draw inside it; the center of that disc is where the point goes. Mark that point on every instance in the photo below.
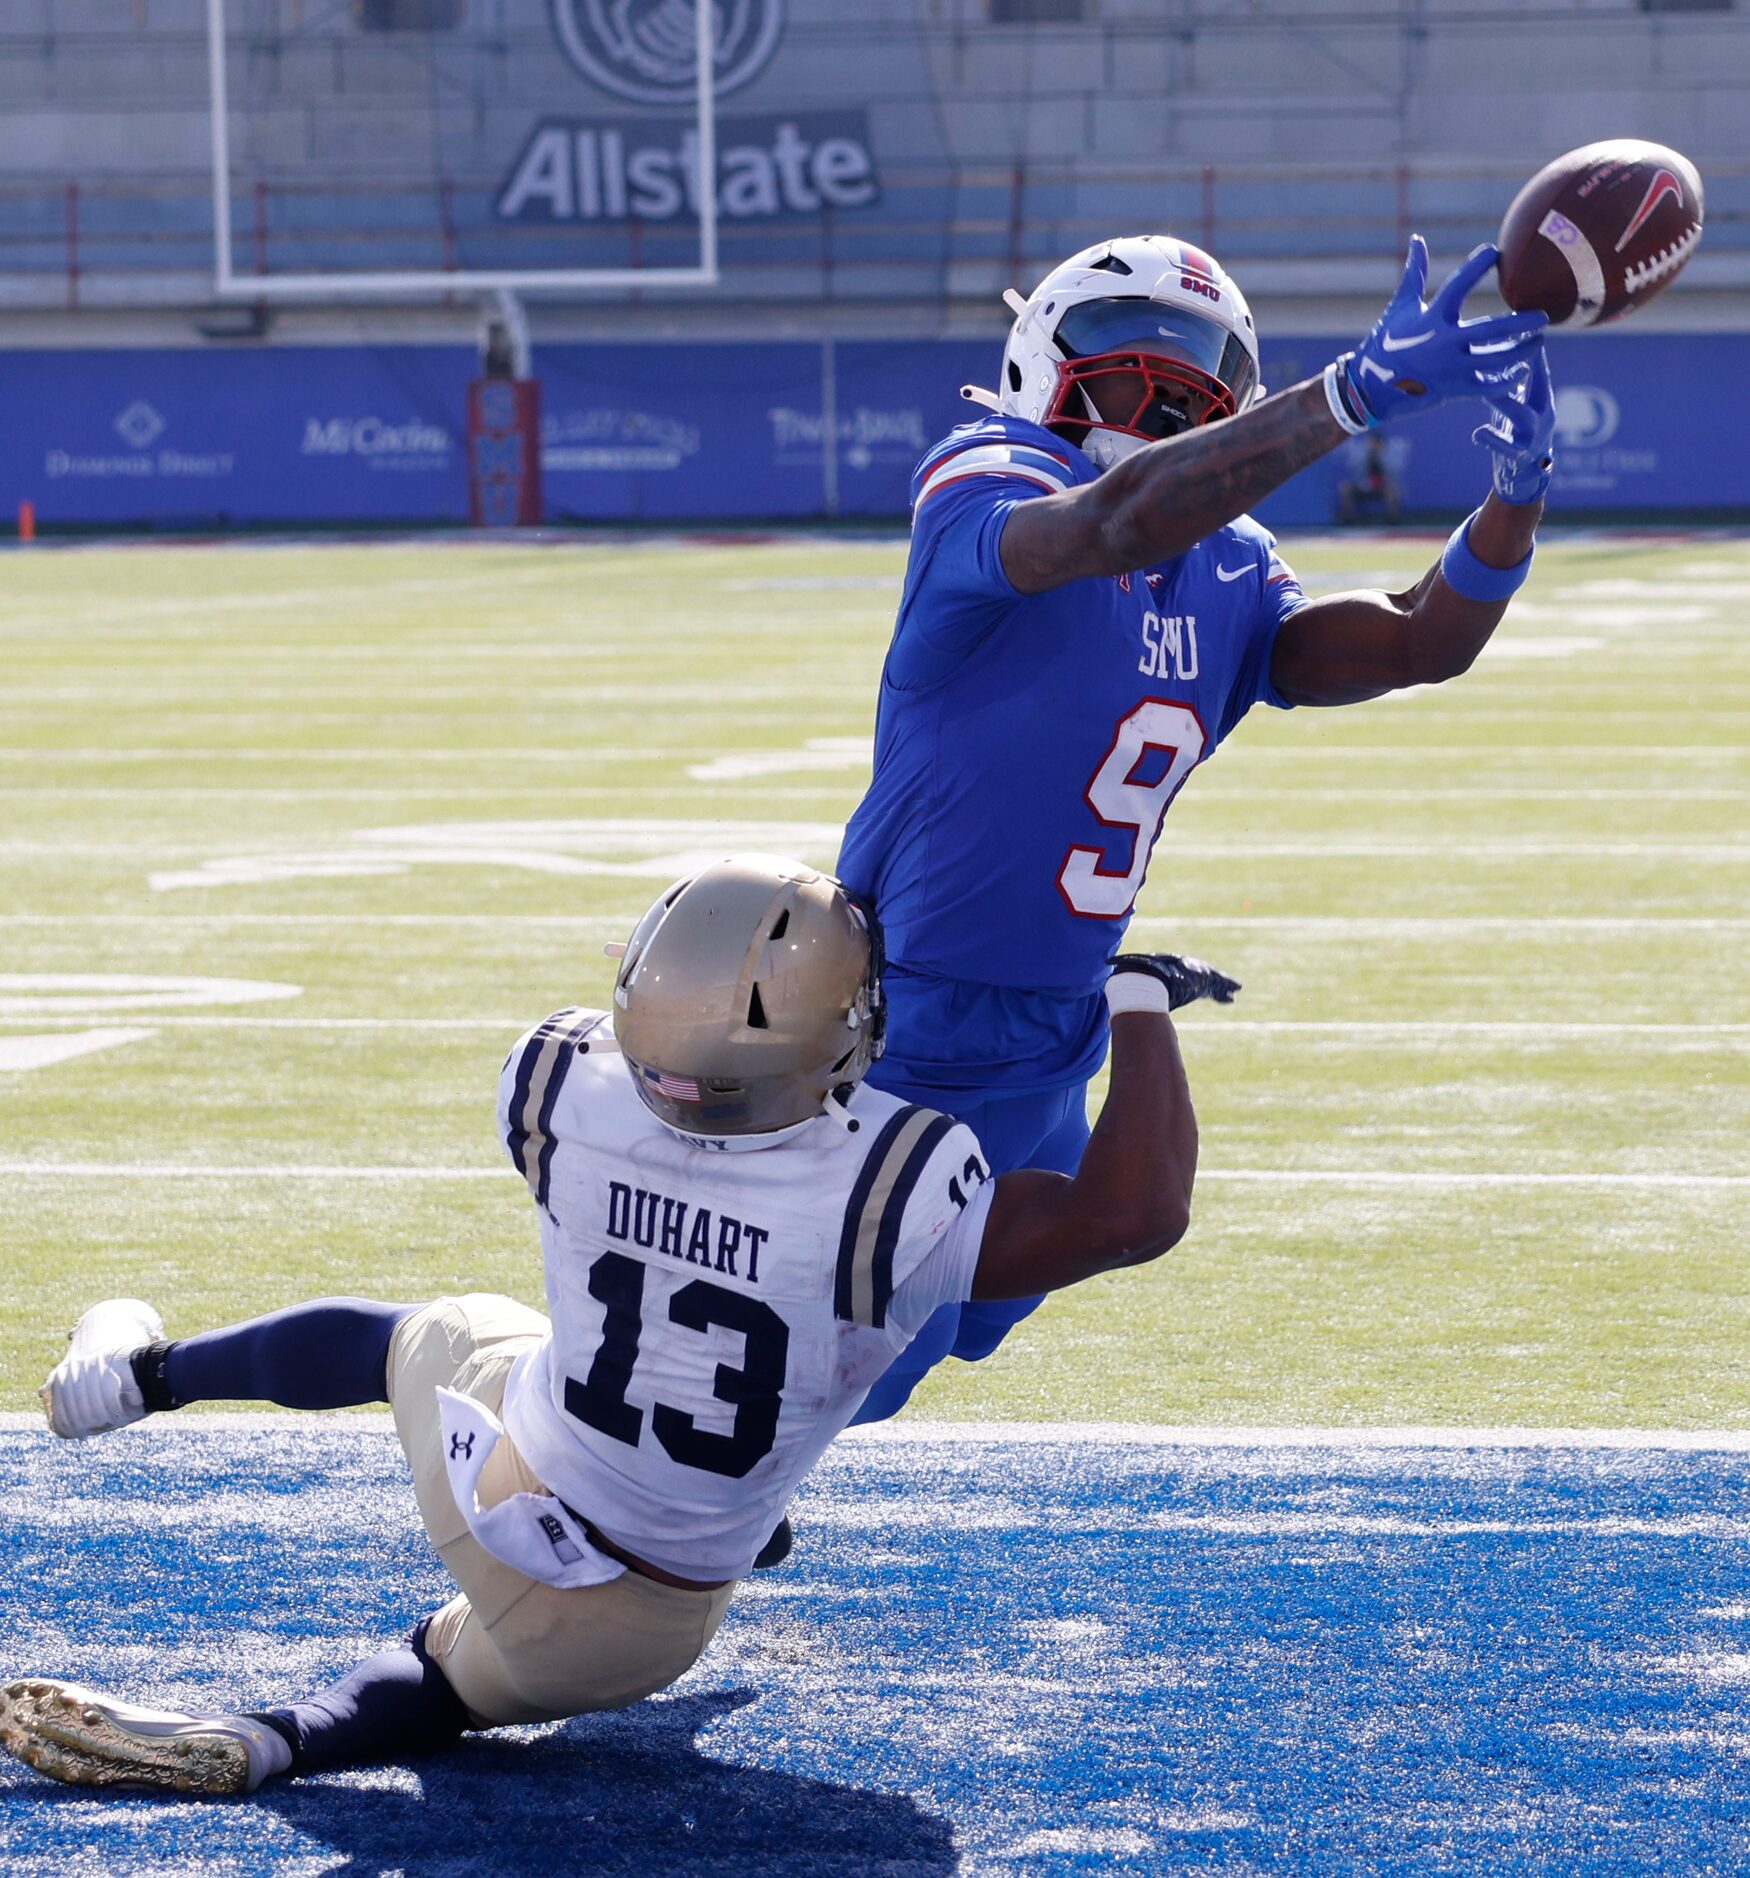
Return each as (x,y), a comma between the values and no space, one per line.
(747,996)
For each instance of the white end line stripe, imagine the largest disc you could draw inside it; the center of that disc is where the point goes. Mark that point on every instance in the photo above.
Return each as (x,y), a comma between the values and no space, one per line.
(909,1433)
(1289,1177)
(1529,1032)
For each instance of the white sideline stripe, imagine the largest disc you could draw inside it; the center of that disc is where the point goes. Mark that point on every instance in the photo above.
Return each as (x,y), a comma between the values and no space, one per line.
(1321,1176)
(912,1434)
(1310,851)
(1333,925)
(1339,1177)
(600,753)
(1529,1032)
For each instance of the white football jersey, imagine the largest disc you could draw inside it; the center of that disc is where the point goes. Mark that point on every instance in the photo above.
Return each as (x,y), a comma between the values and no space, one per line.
(717,1316)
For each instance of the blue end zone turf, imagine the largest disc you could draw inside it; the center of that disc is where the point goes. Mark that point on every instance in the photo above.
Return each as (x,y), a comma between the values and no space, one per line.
(986,1655)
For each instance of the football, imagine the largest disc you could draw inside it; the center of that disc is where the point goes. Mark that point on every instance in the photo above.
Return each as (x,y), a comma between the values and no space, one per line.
(1600,231)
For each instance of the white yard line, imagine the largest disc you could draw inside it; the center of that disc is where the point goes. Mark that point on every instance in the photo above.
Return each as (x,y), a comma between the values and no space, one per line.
(1291,1177)
(1335,926)
(1312,851)
(1530,1032)
(1214,794)
(1298,754)
(919,1433)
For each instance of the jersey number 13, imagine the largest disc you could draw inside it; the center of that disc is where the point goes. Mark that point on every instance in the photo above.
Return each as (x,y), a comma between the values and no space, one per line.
(755,1386)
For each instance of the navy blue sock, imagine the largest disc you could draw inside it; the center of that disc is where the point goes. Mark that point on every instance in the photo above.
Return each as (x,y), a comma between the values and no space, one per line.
(395,1706)
(333,1353)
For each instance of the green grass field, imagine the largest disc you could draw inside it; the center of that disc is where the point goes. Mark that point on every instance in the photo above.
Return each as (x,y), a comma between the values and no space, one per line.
(1490,934)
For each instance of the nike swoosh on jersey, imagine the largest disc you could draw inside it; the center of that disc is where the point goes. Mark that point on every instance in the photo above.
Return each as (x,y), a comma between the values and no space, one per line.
(1403,345)
(1231,573)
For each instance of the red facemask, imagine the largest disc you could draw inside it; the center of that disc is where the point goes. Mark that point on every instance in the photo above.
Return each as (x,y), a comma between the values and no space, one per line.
(1154,414)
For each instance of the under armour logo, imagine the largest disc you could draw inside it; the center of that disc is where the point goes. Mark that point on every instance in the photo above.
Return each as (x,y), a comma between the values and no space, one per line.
(462,1447)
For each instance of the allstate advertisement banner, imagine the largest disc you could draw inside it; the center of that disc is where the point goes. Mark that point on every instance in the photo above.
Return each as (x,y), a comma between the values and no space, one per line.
(217,438)
(646,50)
(586,170)
(757,432)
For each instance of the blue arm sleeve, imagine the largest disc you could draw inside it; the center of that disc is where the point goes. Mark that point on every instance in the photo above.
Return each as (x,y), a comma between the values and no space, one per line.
(956,592)
(1278,594)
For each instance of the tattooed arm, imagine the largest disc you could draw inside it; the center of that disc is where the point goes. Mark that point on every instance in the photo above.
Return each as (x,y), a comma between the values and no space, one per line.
(1168,495)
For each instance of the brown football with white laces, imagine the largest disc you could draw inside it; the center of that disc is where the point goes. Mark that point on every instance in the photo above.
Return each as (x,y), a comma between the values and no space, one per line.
(1600,231)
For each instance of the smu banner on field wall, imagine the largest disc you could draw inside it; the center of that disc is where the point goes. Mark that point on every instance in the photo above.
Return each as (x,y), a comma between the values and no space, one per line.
(757,432)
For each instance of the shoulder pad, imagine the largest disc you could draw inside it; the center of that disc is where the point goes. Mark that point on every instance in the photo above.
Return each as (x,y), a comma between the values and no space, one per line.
(863,1283)
(535,1074)
(1013,447)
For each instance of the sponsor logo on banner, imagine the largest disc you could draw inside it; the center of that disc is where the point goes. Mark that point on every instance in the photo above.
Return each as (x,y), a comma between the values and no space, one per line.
(646,50)
(802,164)
(865,436)
(139,425)
(608,439)
(411,444)
(1588,419)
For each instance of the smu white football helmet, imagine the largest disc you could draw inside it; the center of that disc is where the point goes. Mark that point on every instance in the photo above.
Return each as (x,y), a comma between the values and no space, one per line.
(1147,313)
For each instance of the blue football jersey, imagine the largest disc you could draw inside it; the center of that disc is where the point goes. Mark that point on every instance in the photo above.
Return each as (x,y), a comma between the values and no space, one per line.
(1028,747)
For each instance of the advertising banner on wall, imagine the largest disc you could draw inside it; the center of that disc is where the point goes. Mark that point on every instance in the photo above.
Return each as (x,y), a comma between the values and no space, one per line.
(739,432)
(677,432)
(1641,427)
(221,438)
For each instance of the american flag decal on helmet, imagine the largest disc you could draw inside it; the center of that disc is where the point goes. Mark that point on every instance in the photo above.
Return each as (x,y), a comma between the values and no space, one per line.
(677,1088)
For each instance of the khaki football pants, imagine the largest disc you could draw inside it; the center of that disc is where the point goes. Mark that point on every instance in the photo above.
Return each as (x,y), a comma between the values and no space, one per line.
(516,1650)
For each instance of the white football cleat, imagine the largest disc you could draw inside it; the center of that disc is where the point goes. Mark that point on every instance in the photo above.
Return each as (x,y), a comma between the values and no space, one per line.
(92,1740)
(92,1389)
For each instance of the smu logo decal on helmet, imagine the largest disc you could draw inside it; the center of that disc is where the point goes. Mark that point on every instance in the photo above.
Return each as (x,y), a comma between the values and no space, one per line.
(1197,272)
(645,49)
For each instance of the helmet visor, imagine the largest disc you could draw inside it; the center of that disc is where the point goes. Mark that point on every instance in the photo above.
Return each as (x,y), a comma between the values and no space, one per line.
(1097,328)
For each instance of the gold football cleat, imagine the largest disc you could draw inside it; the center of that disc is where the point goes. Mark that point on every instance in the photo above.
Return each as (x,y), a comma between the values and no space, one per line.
(92,1740)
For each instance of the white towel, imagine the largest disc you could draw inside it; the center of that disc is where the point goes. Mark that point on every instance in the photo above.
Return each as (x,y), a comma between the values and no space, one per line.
(533,1533)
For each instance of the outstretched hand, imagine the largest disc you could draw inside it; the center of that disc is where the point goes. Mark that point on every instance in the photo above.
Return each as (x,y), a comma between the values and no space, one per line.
(1520,430)
(1423,353)
(1186,980)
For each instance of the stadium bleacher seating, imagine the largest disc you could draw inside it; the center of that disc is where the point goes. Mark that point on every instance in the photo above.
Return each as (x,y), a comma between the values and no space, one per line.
(1301,136)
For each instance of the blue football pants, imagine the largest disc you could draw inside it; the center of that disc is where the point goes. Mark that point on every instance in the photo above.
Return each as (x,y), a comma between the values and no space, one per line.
(1049,1131)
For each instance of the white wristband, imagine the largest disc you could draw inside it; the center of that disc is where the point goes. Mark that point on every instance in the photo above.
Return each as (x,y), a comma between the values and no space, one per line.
(1136,991)
(1339,406)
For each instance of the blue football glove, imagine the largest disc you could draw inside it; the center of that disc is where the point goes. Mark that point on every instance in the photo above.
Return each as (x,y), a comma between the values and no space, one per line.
(1186,980)
(1420,355)
(1521,427)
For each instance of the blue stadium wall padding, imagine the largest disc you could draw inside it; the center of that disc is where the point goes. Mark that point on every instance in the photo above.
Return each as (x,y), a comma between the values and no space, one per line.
(221,437)
(197,437)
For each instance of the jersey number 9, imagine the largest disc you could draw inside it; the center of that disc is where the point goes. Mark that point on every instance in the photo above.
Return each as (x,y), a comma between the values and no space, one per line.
(1122,800)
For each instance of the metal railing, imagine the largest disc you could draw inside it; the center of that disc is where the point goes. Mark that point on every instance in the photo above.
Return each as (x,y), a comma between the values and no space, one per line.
(935,233)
